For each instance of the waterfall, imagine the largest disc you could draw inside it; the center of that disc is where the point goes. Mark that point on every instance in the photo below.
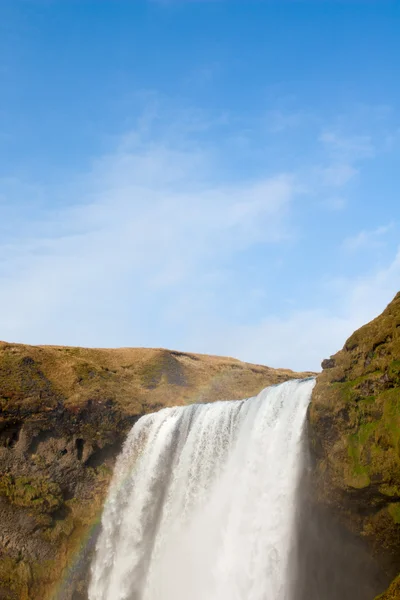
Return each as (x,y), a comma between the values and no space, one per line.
(202,502)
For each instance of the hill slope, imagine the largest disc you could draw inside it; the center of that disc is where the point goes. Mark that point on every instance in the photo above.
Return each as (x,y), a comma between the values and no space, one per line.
(355,433)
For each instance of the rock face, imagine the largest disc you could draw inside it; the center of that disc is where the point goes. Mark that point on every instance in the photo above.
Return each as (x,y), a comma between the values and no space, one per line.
(64,413)
(354,423)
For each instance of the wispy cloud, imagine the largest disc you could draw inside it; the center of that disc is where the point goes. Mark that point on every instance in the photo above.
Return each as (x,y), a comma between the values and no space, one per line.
(147,221)
(343,156)
(338,175)
(150,247)
(335,203)
(351,148)
(367,239)
(203,75)
(302,338)
(278,121)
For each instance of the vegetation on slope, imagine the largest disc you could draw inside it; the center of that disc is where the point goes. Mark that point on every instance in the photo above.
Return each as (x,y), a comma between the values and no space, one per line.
(393,593)
(355,433)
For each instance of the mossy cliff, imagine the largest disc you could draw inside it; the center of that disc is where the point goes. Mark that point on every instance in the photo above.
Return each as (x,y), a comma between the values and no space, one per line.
(393,593)
(64,413)
(354,424)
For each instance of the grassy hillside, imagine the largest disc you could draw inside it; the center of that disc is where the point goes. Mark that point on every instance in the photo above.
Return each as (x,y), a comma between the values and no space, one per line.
(34,377)
(355,427)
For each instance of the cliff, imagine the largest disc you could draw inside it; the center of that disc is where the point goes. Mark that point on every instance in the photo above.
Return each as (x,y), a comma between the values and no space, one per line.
(64,413)
(354,423)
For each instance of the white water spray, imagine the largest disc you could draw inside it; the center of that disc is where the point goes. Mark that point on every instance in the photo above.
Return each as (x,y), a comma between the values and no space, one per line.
(201,506)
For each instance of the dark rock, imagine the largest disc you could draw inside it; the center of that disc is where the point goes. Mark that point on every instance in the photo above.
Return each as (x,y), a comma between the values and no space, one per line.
(328,363)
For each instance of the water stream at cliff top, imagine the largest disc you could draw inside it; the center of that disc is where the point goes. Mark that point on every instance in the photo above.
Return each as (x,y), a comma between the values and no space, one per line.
(202,502)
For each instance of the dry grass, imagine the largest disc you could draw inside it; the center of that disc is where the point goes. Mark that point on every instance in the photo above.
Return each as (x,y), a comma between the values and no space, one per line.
(135,378)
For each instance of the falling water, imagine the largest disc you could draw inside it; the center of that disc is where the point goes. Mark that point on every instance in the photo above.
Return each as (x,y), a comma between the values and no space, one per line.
(201,506)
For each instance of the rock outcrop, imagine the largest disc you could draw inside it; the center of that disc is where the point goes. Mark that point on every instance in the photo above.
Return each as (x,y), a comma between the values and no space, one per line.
(354,424)
(64,413)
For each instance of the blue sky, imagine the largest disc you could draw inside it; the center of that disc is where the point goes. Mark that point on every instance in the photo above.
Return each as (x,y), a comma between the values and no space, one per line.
(211,176)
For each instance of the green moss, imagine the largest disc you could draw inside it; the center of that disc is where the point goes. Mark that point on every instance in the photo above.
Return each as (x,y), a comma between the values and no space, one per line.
(15,575)
(394,367)
(103,471)
(367,401)
(355,418)
(351,390)
(394,511)
(38,493)
(393,593)
(359,477)
(356,444)
(163,368)
(365,431)
(63,527)
(88,373)
(346,390)
(390,490)
(391,410)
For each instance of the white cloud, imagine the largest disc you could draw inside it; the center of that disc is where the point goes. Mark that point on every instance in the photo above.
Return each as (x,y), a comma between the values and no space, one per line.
(147,221)
(348,149)
(300,339)
(203,75)
(335,203)
(366,239)
(343,154)
(278,121)
(142,253)
(338,175)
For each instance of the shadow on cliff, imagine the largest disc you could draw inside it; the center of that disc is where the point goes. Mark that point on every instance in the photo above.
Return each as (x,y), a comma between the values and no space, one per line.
(328,562)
